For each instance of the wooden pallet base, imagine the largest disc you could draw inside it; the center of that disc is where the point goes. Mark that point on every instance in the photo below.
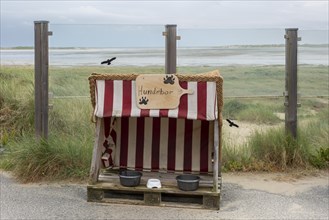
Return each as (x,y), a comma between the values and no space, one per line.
(165,196)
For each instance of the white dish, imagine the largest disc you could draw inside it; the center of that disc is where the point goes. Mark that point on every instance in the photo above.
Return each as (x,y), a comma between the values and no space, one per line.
(153,183)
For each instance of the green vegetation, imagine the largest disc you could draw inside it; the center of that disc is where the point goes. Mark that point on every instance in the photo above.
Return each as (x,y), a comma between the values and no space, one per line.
(61,157)
(273,150)
(19,48)
(321,158)
(235,157)
(16,103)
(258,112)
(67,154)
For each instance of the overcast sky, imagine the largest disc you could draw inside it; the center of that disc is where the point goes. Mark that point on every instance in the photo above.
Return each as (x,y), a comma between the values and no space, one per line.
(17,16)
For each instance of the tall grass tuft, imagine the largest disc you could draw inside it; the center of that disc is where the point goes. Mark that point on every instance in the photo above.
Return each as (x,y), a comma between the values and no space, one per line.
(67,153)
(16,102)
(317,132)
(61,157)
(283,151)
(235,157)
(279,149)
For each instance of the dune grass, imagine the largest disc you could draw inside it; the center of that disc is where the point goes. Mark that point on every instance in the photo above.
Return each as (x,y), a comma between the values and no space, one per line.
(67,153)
(61,157)
(274,150)
(258,112)
(16,103)
(284,151)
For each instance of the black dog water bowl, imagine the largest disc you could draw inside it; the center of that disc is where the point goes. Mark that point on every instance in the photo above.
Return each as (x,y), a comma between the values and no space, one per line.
(188,182)
(130,178)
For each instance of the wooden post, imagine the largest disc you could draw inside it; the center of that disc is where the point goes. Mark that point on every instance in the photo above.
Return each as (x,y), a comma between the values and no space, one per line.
(41,66)
(216,158)
(97,151)
(171,48)
(291,82)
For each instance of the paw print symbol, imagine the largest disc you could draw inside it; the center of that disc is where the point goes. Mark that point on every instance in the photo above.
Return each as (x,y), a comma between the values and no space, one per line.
(143,101)
(169,80)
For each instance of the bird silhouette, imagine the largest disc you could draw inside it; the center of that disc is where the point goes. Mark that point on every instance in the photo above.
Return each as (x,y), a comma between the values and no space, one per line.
(108,61)
(231,123)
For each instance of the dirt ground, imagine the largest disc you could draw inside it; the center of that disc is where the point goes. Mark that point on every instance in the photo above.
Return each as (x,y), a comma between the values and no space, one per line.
(289,183)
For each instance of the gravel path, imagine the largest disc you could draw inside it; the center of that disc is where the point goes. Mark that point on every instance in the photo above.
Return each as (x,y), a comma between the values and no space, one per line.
(246,196)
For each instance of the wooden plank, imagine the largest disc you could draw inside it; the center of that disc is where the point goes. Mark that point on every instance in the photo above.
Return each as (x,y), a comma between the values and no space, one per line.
(132,196)
(110,175)
(95,195)
(182,205)
(164,181)
(123,201)
(115,185)
(220,153)
(161,204)
(211,202)
(158,91)
(97,152)
(151,198)
(216,156)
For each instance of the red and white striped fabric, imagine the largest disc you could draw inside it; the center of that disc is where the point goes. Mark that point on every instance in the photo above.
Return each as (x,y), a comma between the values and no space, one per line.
(167,144)
(117,98)
(174,140)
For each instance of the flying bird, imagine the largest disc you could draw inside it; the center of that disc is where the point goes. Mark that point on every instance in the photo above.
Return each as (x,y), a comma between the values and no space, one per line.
(108,61)
(231,123)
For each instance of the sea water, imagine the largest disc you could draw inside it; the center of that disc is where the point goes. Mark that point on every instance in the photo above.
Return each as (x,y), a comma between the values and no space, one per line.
(186,56)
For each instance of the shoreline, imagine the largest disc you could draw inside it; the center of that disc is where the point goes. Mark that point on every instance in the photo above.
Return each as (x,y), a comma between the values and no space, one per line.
(160,66)
(186,56)
(185,47)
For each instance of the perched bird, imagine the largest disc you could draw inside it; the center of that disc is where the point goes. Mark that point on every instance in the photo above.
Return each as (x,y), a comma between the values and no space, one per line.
(108,61)
(232,123)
